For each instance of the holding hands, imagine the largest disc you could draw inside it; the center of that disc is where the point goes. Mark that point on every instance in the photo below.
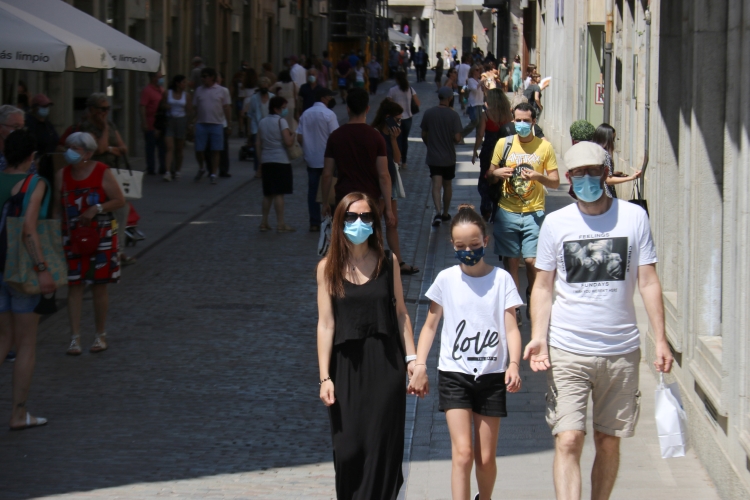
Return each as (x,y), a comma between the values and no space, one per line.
(419,383)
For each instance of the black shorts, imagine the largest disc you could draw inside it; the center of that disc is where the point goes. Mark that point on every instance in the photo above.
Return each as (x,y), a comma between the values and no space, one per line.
(484,396)
(447,173)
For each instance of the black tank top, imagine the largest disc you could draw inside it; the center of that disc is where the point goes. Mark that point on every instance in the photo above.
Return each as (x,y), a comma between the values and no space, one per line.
(364,310)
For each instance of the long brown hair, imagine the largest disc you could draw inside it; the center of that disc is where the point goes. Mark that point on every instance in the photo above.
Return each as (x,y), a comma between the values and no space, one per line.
(339,251)
(498,107)
(387,108)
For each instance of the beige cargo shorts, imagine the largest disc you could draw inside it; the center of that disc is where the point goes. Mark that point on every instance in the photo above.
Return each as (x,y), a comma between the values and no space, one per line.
(612,382)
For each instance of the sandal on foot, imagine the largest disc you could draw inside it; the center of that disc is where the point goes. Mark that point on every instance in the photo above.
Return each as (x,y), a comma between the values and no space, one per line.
(100,343)
(409,270)
(285,229)
(38,422)
(446,217)
(265,227)
(74,349)
(436,221)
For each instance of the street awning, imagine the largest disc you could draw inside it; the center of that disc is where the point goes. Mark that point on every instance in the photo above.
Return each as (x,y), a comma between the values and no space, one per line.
(427,12)
(30,43)
(398,37)
(124,52)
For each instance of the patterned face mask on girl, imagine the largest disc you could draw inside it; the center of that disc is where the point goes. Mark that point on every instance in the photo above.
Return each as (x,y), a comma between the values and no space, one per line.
(470,257)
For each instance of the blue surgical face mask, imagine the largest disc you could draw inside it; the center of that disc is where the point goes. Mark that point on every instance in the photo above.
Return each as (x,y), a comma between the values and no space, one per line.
(357,232)
(470,257)
(72,156)
(587,188)
(161,81)
(284,112)
(43,112)
(523,129)
(311,79)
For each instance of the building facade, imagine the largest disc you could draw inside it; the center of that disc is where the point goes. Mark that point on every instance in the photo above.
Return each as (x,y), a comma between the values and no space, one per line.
(222,32)
(677,104)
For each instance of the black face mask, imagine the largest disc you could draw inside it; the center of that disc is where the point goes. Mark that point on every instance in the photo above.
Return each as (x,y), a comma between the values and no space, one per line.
(331,103)
(263,91)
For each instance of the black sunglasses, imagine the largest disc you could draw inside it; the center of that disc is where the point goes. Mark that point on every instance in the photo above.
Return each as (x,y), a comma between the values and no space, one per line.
(366,217)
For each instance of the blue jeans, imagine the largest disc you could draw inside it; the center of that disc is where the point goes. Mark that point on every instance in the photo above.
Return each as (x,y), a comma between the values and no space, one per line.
(403,138)
(313,181)
(152,144)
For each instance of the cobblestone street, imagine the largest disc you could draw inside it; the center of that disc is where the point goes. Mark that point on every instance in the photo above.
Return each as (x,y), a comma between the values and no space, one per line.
(209,389)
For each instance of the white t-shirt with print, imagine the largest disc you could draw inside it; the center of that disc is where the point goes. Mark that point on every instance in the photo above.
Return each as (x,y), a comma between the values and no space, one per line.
(596,259)
(473,339)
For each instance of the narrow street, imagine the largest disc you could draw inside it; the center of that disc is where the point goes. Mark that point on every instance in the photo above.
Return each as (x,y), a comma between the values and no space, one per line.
(209,389)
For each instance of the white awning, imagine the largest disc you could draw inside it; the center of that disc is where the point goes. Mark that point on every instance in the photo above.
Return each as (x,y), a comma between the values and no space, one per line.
(398,37)
(125,52)
(427,12)
(30,43)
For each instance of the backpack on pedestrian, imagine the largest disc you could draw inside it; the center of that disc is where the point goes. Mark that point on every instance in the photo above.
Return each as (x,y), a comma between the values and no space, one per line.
(496,189)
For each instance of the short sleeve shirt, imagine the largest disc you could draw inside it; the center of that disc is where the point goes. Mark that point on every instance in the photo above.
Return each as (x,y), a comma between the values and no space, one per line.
(209,103)
(151,96)
(442,124)
(473,339)
(356,147)
(272,145)
(596,259)
(519,195)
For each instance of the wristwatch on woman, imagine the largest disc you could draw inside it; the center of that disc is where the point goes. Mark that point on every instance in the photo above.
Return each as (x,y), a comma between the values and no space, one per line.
(413,357)
(40,267)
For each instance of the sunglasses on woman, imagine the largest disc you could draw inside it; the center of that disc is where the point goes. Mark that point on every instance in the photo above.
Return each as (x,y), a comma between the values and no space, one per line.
(366,217)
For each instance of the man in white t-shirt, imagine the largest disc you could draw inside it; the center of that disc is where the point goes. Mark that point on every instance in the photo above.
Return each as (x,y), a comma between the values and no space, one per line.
(297,72)
(315,126)
(592,254)
(463,77)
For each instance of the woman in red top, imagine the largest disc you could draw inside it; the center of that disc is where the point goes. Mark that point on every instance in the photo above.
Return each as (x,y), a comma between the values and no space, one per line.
(495,123)
(89,193)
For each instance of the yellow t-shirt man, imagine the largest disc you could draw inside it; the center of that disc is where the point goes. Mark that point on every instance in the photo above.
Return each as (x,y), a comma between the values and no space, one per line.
(519,195)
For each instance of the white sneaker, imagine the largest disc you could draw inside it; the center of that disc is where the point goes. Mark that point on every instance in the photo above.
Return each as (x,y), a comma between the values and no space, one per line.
(167,177)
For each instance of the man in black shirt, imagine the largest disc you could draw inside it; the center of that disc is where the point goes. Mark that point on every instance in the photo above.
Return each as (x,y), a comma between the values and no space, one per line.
(37,122)
(307,91)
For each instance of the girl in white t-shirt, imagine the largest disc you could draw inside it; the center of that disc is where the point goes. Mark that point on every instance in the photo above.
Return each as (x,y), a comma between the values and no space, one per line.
(480,351)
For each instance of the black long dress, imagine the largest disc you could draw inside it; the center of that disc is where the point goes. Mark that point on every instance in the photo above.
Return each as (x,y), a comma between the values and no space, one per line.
(368,372)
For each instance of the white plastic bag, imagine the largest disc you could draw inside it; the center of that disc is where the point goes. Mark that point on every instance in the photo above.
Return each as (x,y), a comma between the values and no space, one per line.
(671,420)
(325,237)
(399,183)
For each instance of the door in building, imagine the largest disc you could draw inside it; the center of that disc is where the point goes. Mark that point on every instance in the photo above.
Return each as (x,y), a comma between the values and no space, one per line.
(595,74)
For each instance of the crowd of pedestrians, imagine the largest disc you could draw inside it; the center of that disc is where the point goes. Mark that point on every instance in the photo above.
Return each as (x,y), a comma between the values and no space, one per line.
(591,254)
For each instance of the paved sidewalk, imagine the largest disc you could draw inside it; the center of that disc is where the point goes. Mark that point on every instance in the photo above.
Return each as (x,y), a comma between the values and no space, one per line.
(209,389)
(525,447)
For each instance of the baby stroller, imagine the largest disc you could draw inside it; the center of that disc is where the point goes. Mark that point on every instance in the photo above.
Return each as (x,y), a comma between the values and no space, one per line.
(132,234)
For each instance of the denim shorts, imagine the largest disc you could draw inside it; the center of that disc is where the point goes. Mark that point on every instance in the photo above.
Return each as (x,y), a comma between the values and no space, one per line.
(517,234)
(211,134)
(15,301)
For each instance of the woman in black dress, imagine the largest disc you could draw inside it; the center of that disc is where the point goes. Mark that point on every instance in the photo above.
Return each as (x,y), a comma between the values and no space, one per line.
(365,343)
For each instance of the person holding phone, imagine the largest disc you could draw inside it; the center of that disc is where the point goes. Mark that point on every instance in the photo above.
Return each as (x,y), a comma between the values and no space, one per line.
(388,122)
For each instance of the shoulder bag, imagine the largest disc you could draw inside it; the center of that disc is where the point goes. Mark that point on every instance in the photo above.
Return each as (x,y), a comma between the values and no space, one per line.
(19,268)
(636,197)
(131,182)
(295,150)
(414,106)
(496,189)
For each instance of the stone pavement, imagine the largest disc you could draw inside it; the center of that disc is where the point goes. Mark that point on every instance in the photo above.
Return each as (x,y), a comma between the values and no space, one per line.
(209,389)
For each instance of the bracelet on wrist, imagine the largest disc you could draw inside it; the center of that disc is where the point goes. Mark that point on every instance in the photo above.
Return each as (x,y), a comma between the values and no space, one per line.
(411,357)
(325,380)
(516,362)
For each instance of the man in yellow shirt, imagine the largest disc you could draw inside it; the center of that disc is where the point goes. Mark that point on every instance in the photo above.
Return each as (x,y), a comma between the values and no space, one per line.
(531,166)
